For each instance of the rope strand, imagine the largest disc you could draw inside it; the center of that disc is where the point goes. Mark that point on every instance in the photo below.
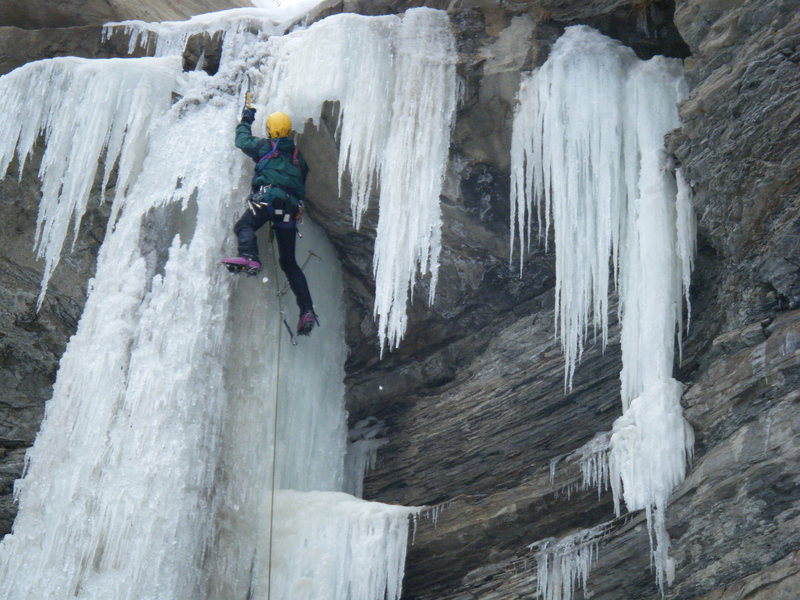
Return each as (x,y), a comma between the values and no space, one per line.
(275,425)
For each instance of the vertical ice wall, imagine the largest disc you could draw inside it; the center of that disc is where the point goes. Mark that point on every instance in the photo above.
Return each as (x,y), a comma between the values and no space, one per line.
(397,101)
(588,150)
(117,495)
(180,409)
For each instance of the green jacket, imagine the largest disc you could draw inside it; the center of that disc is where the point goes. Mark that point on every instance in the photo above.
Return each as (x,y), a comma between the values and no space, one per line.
(279,170)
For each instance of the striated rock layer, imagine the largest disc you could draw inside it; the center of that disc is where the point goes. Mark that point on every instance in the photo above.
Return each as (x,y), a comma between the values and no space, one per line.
(473,401)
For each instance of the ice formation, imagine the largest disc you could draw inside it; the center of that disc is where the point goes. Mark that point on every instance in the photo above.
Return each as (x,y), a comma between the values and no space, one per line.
(364,440)
(357,551)
(592,458)
(388,127)
(389,130)
(181,416)
(87,111)
(563,566)
(587,149)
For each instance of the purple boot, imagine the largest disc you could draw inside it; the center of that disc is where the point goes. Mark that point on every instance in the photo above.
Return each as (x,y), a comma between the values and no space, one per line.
(306,323)
(242,264)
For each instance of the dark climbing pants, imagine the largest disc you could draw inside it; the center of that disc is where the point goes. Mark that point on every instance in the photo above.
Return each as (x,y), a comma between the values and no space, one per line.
(286,236)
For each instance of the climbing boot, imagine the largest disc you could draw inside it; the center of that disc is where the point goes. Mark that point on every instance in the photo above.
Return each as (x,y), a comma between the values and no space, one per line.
(242,264)
(306,323)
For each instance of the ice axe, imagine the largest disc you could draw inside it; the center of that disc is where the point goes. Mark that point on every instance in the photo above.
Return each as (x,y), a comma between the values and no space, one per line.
(248,96)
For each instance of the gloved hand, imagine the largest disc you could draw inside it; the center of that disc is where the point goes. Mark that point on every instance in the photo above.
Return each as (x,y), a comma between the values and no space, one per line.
(248,115)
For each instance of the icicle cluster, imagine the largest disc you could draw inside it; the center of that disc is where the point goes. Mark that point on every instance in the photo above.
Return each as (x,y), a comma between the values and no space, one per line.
(170,37)
(397,101)
(88,112)
(180,401)
(588,150)
(343,548)
(567,157)
(563,566)
(592,459)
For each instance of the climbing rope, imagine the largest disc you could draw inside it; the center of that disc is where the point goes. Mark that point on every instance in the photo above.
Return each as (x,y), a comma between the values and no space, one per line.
(275,424)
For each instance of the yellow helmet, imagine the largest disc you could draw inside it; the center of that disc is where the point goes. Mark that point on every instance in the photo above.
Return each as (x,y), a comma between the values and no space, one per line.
(279,125)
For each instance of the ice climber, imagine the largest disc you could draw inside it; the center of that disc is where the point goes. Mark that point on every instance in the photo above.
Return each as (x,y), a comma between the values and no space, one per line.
(278,186)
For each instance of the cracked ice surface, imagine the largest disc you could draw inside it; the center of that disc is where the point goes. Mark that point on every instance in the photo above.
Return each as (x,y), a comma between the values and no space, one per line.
(180,408)
(587,148)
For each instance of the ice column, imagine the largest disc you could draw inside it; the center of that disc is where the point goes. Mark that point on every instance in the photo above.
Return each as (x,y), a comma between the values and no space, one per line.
(395,81)
(117,498)
(587,149)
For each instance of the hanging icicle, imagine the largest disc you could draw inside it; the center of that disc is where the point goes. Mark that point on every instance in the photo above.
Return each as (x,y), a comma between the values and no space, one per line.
(588,151)
(389,128)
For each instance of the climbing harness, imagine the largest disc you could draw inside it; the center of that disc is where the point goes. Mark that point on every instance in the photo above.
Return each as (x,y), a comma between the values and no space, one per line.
(280,209)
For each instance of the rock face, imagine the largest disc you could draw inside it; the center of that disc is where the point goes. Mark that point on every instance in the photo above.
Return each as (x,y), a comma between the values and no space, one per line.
(473,400)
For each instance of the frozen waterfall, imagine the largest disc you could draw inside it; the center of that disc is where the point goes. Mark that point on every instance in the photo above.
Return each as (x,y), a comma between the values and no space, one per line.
(389,132)
(188,450)
(587,150)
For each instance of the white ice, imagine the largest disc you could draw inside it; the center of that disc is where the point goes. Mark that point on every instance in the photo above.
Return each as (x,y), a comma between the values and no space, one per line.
(89,112)
(650,446)
(396,107)
(182,415)
(563,565)
(588,150)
